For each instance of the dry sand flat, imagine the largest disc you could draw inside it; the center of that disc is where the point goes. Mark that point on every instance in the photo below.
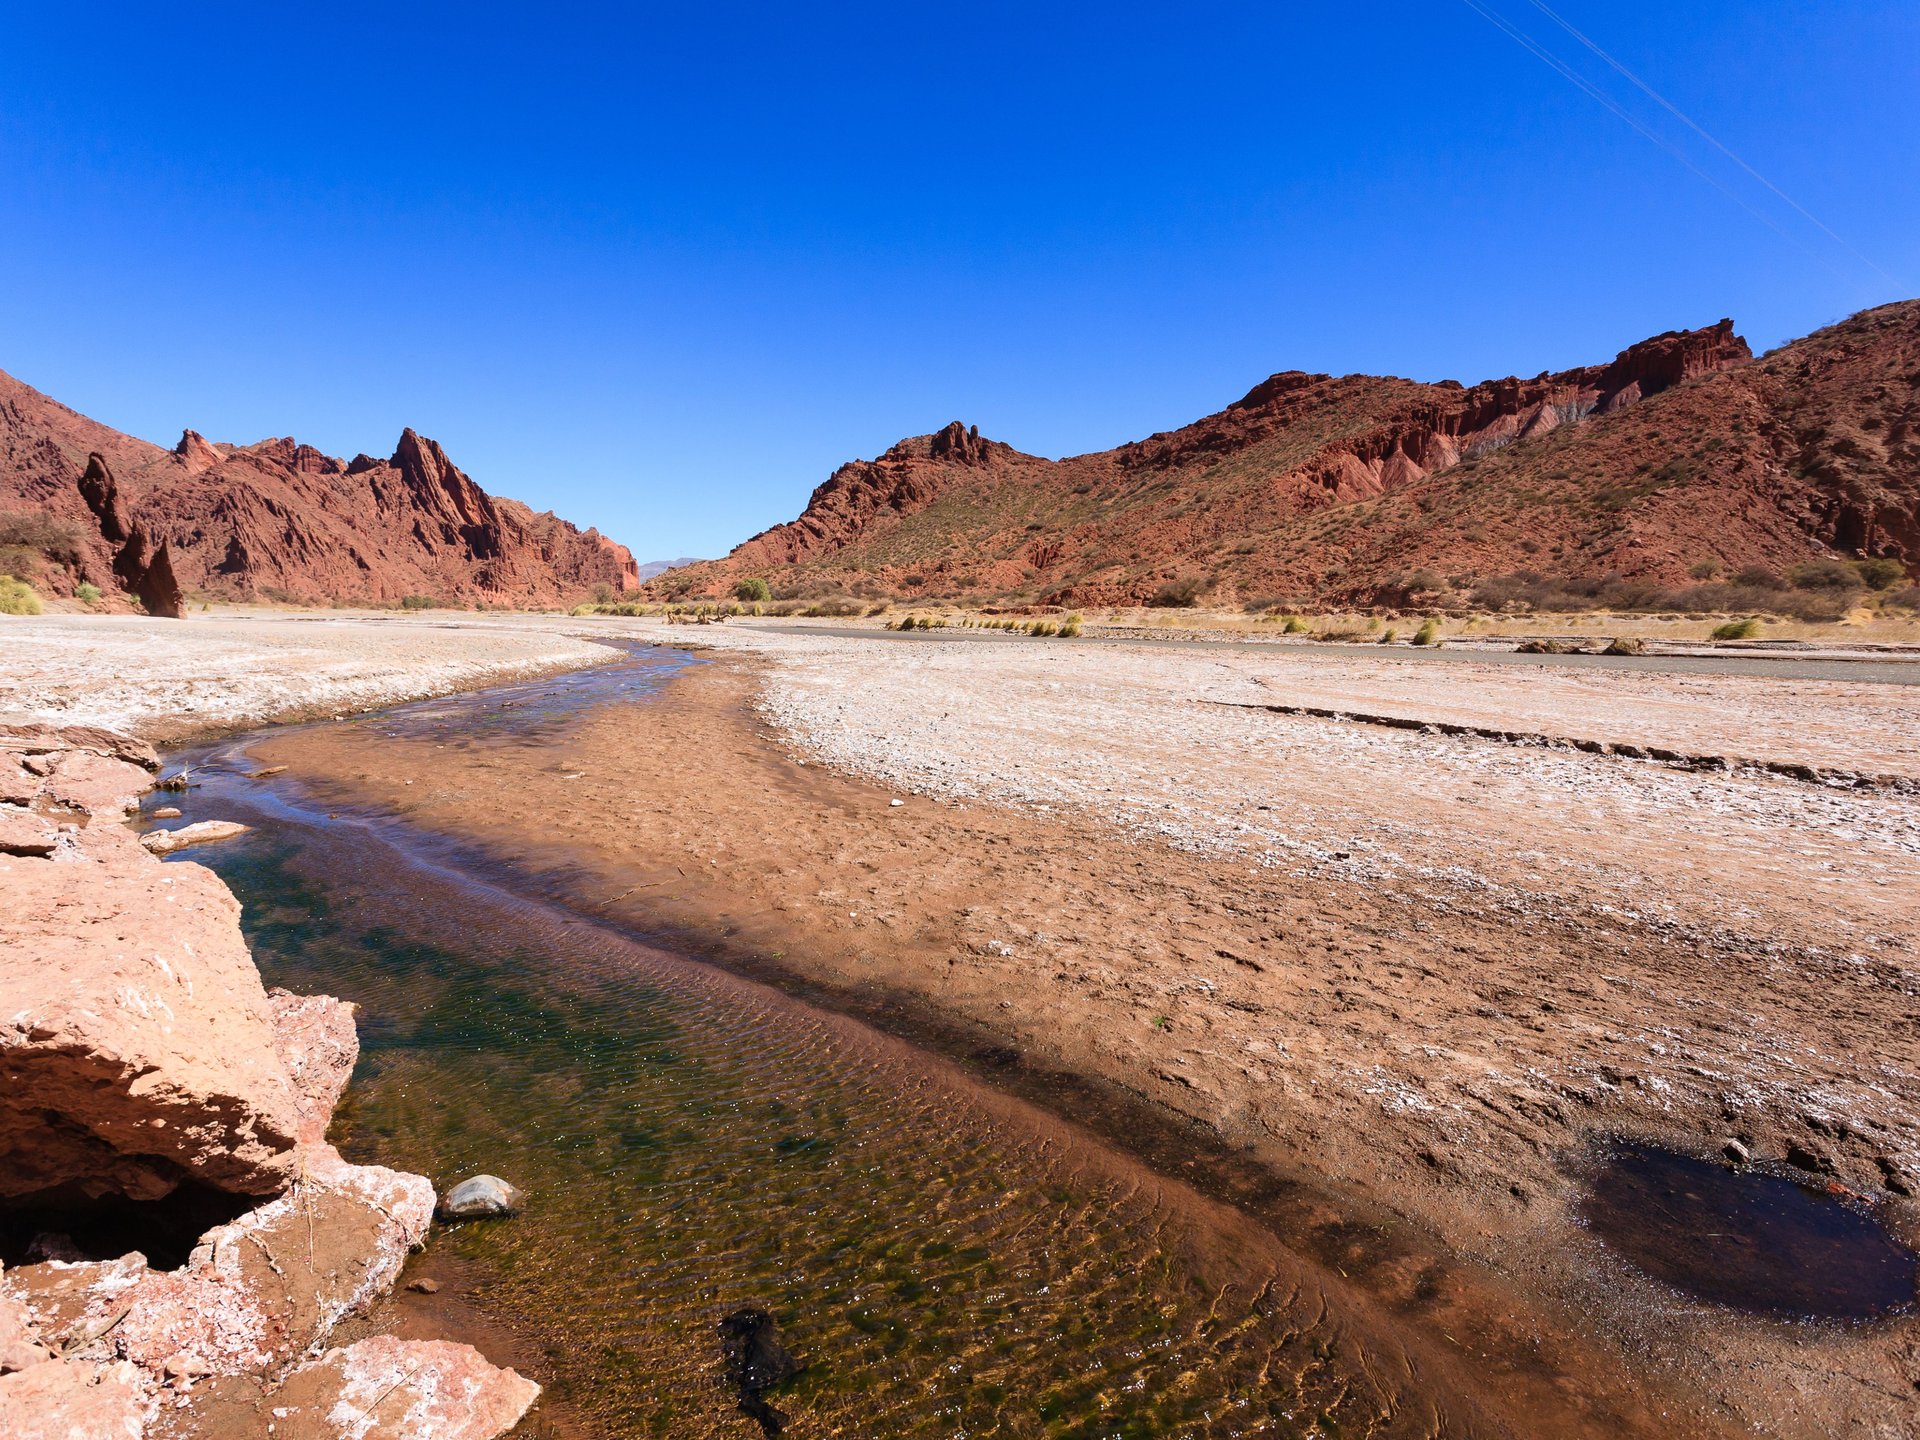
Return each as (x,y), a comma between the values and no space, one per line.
(220,671)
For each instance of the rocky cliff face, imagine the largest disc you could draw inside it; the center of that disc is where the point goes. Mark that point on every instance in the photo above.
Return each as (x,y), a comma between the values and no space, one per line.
(142,1063)
(279,519)
(1331,489)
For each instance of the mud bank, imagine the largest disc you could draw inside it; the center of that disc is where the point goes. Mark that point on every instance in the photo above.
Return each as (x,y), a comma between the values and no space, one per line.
(180,1240)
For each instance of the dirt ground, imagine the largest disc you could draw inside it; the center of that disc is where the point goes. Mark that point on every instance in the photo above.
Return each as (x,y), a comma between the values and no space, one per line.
(1416,974)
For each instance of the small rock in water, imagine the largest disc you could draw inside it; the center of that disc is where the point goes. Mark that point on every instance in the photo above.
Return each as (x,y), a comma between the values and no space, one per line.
(1736,1153)
(165,812)
(425,1285)
(479,1198)
(756,1360)
(165,842)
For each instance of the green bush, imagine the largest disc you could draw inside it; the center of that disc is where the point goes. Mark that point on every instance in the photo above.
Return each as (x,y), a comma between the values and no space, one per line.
(86,593)
(17,597)
(1428,633)
(418,602)
(1825,574)
(1880,574)
(1294,626)
(1737,630)
(753,590)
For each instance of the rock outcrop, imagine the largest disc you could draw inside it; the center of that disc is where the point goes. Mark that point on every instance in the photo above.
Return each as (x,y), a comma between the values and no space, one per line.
(1320,489)
(141,1056)
(279,519)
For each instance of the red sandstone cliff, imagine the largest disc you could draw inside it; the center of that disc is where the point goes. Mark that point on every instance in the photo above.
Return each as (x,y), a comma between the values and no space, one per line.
(280,519)
(1681,450)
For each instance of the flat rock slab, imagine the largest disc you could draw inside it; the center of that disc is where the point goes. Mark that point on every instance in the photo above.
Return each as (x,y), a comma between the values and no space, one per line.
(257,1293)
(317,1041)
(381,1388)
(24,833)
(66,1399)
(136,1040)
(201,832)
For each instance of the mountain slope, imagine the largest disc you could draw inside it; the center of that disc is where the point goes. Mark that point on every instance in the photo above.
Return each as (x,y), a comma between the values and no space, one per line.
(280,519)
(1681,453)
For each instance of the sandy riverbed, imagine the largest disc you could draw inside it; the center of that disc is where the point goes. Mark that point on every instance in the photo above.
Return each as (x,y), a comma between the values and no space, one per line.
(163,679)
(1417,973)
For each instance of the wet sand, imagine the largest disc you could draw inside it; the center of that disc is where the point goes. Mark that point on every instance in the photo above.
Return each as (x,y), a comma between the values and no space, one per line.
(1400,1081)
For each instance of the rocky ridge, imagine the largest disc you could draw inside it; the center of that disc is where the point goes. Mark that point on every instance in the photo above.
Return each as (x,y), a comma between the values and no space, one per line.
(146,1076)
(276,519)
(1682,451)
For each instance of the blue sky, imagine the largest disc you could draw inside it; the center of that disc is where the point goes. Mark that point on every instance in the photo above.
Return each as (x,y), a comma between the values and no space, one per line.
(663,269)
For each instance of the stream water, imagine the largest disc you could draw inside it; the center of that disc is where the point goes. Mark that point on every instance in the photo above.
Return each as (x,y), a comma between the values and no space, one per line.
(941,1260)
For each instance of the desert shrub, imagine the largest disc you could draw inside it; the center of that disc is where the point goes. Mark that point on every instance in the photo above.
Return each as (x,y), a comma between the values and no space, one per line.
(417,602)
(1070,627)
(1181,594)
(1737,630)
(753,589)
(1294,626)
(17,597)
(1428,633)
(1761,577)
(1043,628)
(1907,599)
(1825,574)
(1389,635)
(603,593)
(1625,645)
(32,530)
(1706,570)
(1422,582)
(836,609)
(1880,574)
(87,593)
(873,610)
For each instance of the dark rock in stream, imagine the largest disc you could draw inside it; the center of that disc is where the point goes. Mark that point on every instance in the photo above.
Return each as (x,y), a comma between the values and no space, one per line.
(756,1360)
(481,1197)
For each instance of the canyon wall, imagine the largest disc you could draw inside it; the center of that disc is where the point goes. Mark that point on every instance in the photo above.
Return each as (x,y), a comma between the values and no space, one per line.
(1682,452)
(278,520)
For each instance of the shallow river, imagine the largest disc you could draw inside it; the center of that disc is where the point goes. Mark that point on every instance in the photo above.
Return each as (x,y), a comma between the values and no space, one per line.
(942,1260)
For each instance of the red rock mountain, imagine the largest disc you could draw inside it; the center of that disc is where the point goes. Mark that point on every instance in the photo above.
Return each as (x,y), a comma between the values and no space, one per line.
(277,519)
(1683,452)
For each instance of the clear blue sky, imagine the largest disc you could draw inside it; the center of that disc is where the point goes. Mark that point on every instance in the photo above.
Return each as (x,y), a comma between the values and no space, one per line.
(662,269)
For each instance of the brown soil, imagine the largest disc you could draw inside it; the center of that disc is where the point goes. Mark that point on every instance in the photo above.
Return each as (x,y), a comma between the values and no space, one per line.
(1276,1018)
